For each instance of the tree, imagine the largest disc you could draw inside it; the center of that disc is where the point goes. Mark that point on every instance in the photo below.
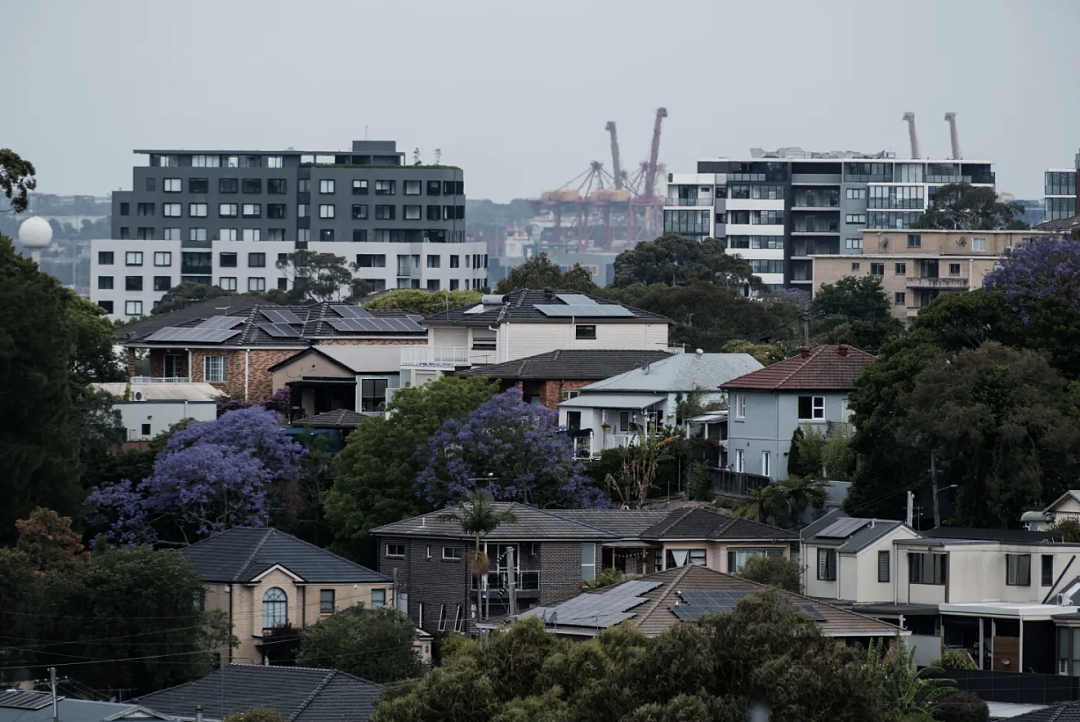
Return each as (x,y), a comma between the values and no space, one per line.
(211,476)
(962,706)
(512,449)
(631,485)
(377,469)
(800,493)
(16,179)
(540,272)
(47,540)
(1069,529)
(671,259)
(187,294)
(907,691)
(256,714)
(374,644)
(1028,274)
(838,456)
(425,303)
(778,572)
(852,298)
(317,277)
(765,354)
(94,359)
(964,207)
(606,578)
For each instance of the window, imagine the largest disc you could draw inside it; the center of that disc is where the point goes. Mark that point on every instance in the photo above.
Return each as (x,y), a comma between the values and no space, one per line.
(146,234)
(214,369)
(172,210)
(624,421)
(359,235)
(326,601)
(303,234)
(251,210)
(411,213)
(197,210)
(303,210)
(434,188)
(106,306)
(811,408)
(586,332)
(275,608)
(1018,570)
(273,210)
(251,185)
(877,269)
(151,185)
(412,187)
(978,244)
(359,187)
(385,187)
(395,550)
(256,260)
(125,209)
(125,233)
(206,161)
(927,568)
(588,562)
(856,218)
(855,194)
(162,258)
(276,186)
(900,269)
(105,258)
(883,567)
(359,212)
(442,617)
(146,429)
(275,161)
(1047,570)
(855,265)
(740,406)
(228,185)
(900,298)
(227,260)
(384,213)
(684,557)
(171,234)
(378,598)
(371,260)
(459,619)
(826,565)
(373,394)
(256,283)
(133,258)
(227,234)
(105,283)
(275,234)
(133,308)
(455,261)
(228,210)
(133,283)
(145,209)
(326,234)
(434,261)
(196,234)
(853,244)
(227,283)
(162,283)
(914,240)
(433,284)
(326,187)
(766,466)
(434,213)
(954,269)
(326,210)
(451,554)
(172,185)
(303,186)
(737,558)
(763,266)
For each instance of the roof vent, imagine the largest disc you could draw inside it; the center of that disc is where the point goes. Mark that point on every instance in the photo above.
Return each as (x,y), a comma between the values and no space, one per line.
(842,349)
(805,352)
(549,293)
(699,352)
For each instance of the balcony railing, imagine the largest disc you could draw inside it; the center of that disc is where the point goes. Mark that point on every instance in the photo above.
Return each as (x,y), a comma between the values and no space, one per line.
(434,356)
(738,484)
(957,283)
(160,380)
(692,202)
(499,581)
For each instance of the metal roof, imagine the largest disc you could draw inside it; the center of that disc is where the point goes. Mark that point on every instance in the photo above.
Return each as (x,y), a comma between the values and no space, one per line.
(843,528)
(612,401)
(682,372)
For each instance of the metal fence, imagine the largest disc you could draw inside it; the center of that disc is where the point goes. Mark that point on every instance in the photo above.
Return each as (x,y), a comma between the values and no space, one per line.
(1016,688)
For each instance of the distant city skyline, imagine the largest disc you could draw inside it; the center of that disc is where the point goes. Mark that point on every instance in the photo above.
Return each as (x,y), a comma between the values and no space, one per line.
(519,94)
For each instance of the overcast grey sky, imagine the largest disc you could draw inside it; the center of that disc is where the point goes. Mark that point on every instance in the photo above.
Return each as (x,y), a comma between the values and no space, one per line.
(518,93)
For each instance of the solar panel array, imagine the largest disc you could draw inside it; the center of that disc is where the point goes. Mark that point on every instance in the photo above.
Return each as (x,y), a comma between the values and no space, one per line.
(280,330)
(842,528)
(196,335)
(370,324)
(351,311)
(575,299)
(23,699)
(597,610)
(281,316)
(587,310)
(222,322)
(697,603)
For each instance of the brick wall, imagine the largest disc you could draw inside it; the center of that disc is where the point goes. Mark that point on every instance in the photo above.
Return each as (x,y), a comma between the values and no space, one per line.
(560,569)
(433,582)
(552,393)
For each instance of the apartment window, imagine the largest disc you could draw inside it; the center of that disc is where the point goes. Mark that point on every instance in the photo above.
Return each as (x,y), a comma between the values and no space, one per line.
(275,607)
(170,234)
(395,550)
(276,186)
(275,161)
(162,283)
(740,461)
(385,187)
(326,601)
(105,283)
(853,244)
(373,394)
(228,185)
(371,260)
(1047,570)
(433,284)
(251,185)
(252,210)
(954,269)
(273,210)
(811,408)
(228,210)
(914,240)
(378,598)
(883,567)
(125,209)
(275,234)
(303,234)
(434,261)
(434,213)
(133,258)
(303,210)
(855,265)
(442,617)
(900,298)
(145,209)
(326,234)
(214,369)
(459,619)
(384,213)
(172,210)
(684,557)
(172,185)
(197,210)
(411,213)
(412,187)
(303,186)
(448,213)
(256,283)
(927,568)
(206,161)
(359,235)
(434,188)
(231,161)
(133,283)
(1018,570)
(451,554)
(901,269)
(588,562)
(740,406)
(146,234)
(856,194)
(151,185)
(133,308)
(256,260)
(227,260)
(359,212)
(585,332)
(826,565)
(856,218)
(877,269)
(766,464)
(105,258)
(978,244)
(227,234)
(106,306)
(326,210)
(360,187)
(196,234)
(455,261)
(125,233)
(227,283)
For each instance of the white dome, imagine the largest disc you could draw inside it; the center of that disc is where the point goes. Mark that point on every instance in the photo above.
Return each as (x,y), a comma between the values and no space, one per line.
(35,233)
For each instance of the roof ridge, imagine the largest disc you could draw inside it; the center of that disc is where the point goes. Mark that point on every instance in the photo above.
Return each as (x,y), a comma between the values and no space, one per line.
(254,552)
(656,604)
(311,697)
(814,353)
(548,512)
(686,511)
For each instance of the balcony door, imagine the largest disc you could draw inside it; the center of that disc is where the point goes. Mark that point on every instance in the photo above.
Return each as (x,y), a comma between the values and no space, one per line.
(174,366)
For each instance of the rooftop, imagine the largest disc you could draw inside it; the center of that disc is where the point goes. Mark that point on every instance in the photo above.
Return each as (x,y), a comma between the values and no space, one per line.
(702,523)
(574,364)
(356,359)
(221,306)
(543,306)
(34,706)
(681,372)
(160,392)
(825,368)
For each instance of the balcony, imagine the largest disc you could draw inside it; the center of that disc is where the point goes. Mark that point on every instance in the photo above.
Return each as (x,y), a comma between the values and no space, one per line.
(737,484)
(160,380)
(691,202)
(441,357)
(956,284)
(527,583)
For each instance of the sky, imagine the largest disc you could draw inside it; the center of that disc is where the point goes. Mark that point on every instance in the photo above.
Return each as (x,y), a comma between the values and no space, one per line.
(518,93)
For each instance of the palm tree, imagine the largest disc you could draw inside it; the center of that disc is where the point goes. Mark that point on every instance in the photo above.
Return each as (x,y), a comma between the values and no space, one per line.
(479,516)
(800,493)
(908,691)
(764,504)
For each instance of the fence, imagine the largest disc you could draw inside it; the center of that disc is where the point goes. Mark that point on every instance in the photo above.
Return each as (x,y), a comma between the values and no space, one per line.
(1016,688)
(735,483)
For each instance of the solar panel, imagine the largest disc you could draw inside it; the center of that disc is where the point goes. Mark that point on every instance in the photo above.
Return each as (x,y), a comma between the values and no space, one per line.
(281,316)
(594,310)
(222,322)
(371,324)
(575,299)
(602,610)
(196,334)
(23,699)
(842,528)
(351,311)
(280,330)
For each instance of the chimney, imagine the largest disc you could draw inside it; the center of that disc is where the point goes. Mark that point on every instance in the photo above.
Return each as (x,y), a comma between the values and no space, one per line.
(805,352)
(198,713)
(699,352)
(842,349)
(548,294)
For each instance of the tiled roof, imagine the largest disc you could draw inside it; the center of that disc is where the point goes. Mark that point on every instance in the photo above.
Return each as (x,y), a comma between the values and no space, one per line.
(299,694)
(572,364)
(822,368)
(701,523)
(191,315)
(681,372)
(338,419)
(531,524)
(620,523)
(1061,712)
(243,553)
(521,306)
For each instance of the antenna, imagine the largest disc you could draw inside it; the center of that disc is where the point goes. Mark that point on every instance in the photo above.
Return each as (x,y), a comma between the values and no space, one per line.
(416,156)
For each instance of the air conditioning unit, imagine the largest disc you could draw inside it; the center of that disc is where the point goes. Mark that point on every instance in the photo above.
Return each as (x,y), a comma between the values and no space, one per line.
(138,396)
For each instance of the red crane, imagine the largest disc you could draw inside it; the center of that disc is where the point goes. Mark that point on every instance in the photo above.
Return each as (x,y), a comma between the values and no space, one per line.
(650,206)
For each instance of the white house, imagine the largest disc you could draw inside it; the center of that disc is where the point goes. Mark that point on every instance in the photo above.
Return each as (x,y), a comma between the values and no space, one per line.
(150,408)
(1066,506)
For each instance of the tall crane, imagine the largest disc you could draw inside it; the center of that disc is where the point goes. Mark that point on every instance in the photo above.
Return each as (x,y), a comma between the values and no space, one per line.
(910,118)
(654,155)
(615,166)
(953,137)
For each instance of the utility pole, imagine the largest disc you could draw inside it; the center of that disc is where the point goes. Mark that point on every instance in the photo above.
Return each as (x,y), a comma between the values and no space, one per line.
(934,489)
(511,580)
(52,686)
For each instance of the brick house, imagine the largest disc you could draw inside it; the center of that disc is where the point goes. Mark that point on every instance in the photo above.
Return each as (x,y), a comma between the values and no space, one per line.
(235,351)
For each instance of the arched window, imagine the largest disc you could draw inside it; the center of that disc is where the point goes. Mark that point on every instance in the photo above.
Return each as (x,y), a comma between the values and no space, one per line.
(275,609)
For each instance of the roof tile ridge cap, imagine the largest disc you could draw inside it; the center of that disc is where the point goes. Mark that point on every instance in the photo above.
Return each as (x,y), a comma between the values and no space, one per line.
(814,353)
(311,697)
(674,582)
(683,513)
(254,553)
(327,551)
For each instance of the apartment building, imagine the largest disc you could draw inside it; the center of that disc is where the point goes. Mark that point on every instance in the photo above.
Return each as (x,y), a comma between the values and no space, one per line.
(915,267)
(225,217)
(779,208)
(1060,200)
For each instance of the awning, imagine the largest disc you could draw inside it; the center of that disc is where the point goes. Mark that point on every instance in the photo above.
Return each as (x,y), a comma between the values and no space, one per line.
(612,401)
(630,544)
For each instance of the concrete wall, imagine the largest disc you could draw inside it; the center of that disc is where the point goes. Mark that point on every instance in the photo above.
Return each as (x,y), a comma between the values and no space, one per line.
(160,415)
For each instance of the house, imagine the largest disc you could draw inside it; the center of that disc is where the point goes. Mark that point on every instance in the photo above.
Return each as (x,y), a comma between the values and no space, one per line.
(609,413)
(328,378)
(554,552)
(17,705)
(556,376)
(149,408)
(766,406)
(299,694)
(200,311)
(1066,506)
(265,580)
(234,352)
(657,602)
(333,426)
(525,323)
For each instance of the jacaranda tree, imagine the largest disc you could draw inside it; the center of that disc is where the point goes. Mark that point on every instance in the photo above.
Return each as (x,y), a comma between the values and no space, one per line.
(233,471)
(1044,267)
(513,450)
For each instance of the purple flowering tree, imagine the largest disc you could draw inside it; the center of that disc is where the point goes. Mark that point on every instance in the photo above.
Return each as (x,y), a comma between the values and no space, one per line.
(1047,266)
(211,476)
(513,450)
